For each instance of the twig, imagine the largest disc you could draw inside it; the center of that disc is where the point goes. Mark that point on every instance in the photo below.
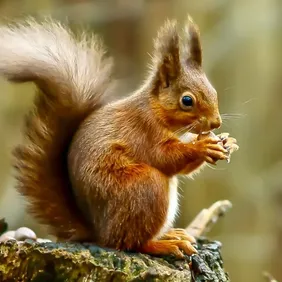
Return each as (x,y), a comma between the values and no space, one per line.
(205,220)
(269,277)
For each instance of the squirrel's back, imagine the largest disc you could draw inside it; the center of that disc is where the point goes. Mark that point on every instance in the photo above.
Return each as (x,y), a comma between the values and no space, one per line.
(72,76)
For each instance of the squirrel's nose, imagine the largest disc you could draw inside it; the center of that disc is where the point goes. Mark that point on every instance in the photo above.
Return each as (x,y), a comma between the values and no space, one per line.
(215,123)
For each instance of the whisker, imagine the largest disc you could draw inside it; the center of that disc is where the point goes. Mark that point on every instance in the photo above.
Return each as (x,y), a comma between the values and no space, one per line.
(232,116)
(194,124)
(248,101)
(185,128)
(228,88)
(228,118)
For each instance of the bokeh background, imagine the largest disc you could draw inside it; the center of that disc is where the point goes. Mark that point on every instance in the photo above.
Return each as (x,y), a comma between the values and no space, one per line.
(242,41)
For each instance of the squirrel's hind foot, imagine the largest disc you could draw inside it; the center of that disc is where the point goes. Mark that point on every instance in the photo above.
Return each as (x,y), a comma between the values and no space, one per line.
(178,234)
(169,247)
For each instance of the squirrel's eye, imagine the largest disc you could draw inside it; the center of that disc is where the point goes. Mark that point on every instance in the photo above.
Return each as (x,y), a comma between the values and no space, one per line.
(187,101)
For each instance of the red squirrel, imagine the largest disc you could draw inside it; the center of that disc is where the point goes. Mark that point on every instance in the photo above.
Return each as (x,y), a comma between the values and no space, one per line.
(106,172)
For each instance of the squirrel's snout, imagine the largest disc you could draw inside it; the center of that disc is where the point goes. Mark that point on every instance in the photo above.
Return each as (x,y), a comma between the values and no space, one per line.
(215,123)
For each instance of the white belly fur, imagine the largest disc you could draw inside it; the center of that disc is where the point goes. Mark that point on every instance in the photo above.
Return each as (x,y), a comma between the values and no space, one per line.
(172,206)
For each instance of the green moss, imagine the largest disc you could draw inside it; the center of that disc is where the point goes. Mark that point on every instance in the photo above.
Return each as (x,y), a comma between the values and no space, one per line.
(58,262)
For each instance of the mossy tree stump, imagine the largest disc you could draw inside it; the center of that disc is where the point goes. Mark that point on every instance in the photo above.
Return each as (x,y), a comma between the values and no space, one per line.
(23,261)
(42,262)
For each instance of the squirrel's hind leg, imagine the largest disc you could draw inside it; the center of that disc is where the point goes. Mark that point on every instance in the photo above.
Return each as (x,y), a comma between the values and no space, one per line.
(136,206)
(136,213)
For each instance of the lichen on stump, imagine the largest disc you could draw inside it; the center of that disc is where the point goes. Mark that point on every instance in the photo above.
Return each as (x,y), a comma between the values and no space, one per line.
(56,262)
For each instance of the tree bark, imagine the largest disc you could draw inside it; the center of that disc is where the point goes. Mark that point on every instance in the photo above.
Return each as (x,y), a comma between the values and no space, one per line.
(32,261)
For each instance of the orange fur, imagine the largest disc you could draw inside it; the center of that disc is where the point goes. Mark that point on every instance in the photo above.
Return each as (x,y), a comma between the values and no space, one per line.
(101,171)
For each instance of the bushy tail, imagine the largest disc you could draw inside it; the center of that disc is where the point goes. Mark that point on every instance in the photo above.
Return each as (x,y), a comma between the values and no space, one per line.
(72,76)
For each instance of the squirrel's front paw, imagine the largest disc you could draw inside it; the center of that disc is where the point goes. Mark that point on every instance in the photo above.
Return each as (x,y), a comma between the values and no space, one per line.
(211,149)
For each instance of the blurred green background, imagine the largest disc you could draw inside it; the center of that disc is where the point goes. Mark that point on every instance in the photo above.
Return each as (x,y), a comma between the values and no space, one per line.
(242,43)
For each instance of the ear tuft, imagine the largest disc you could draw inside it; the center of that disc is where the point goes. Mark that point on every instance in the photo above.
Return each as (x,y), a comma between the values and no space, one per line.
(166,53)
(167,40)
(192,40)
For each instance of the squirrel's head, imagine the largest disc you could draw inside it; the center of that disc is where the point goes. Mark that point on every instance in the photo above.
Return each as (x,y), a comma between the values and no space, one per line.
(182,95)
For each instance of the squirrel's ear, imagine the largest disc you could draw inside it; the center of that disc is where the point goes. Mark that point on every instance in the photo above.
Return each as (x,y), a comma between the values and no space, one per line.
(166,61)
(192,42)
